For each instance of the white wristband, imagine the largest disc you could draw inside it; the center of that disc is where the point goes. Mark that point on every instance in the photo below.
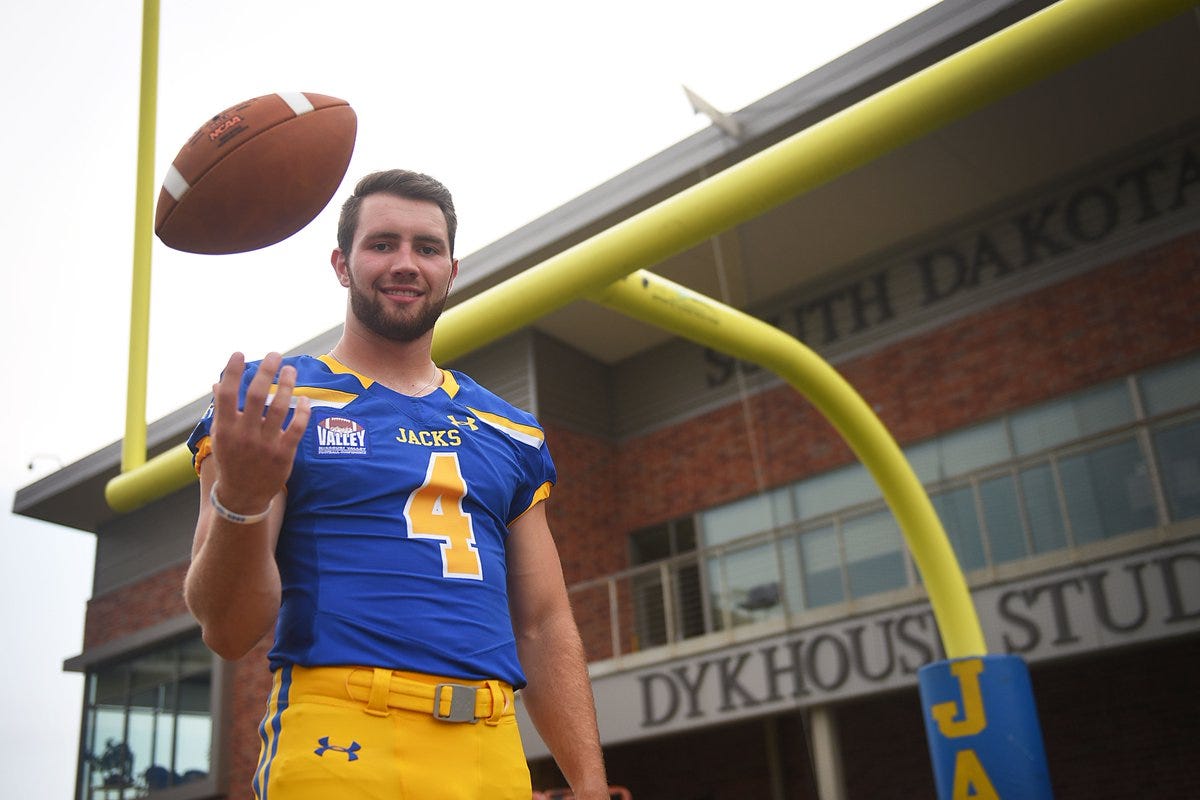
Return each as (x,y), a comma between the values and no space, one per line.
(233,516)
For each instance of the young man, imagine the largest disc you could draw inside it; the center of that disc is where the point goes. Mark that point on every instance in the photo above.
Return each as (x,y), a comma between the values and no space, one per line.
(387,517)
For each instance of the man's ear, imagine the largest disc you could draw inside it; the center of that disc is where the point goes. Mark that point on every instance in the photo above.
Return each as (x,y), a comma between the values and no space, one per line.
(453,274)
(340,266)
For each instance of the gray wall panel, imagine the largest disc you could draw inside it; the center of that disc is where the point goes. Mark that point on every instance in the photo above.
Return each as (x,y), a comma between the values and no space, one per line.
(142,543)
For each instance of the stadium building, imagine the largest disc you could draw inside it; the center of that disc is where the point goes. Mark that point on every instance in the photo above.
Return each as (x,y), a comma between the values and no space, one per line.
(1016,295)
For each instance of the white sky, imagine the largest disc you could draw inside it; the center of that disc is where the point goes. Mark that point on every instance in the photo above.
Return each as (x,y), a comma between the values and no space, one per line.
(518,107)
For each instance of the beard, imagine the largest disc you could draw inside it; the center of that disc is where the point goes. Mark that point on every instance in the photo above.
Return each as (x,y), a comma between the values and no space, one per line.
(375,316)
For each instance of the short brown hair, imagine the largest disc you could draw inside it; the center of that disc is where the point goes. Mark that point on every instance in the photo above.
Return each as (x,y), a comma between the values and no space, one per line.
(401,183)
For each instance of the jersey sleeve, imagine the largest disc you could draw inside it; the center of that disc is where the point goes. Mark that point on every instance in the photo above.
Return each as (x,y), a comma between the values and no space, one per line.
(538,476)
(200,442)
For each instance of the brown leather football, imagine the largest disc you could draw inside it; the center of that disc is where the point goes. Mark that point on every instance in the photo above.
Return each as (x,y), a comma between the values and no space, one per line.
(256,173)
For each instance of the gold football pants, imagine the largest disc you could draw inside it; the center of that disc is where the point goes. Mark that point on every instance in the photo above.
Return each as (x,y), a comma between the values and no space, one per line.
(362,733)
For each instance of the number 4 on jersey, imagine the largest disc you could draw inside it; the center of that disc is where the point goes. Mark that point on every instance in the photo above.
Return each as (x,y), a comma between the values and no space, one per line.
(434,511)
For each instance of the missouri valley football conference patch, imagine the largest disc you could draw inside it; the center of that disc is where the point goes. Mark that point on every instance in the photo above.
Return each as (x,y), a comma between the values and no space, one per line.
(339,436)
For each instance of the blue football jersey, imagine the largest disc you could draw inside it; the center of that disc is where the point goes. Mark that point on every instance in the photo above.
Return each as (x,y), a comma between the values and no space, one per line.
(392,552)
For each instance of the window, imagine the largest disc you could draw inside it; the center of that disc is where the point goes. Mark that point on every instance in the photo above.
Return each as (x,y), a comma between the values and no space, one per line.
(1108,491)
(956,510)
(746,584)
(667,600)
(821,564)
(148,723)
(760,512)
(1060,421)
(1002,515)
(874,554)
(959,452)
(1046,526)
(1178,448)
(833,491)
(1171,388)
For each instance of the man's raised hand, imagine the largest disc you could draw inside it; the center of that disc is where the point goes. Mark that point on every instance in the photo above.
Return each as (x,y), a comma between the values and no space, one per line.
(253,448)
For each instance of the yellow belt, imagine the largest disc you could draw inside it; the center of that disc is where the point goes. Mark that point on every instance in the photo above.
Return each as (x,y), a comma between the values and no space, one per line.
(445,699)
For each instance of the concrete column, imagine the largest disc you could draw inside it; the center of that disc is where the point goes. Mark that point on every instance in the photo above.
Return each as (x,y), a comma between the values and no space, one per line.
(826,753)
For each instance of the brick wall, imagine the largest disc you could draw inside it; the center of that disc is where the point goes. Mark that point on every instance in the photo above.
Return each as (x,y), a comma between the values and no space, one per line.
(131,608)
(581,510)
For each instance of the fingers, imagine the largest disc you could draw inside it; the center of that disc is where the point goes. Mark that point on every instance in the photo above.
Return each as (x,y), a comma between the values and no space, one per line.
(263,416)
(295,430)
(258,392)
(260,385)
(256,446)
(225,391)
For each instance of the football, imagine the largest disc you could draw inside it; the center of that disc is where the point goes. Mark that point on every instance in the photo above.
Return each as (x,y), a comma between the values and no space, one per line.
(256,173)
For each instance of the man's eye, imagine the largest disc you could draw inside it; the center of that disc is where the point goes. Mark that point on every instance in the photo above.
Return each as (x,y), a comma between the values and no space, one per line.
(381,246)
(427,250)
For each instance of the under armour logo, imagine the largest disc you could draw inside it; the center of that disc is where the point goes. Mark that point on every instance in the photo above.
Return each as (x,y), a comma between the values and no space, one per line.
(468,422)
(351,751)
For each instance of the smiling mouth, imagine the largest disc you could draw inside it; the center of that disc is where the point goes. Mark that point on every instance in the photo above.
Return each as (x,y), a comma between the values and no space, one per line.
(402,292)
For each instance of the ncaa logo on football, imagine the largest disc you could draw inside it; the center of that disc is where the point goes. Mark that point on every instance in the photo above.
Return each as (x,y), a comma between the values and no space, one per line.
(340,436)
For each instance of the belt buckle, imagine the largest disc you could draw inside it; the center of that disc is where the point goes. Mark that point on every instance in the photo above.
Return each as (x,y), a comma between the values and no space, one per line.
(462,703)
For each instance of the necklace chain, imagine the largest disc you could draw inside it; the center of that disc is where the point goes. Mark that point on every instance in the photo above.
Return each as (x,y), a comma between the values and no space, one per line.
(417,393)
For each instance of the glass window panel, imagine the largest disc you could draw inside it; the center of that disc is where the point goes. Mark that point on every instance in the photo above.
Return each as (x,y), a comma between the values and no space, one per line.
(760,512)
(650,610)
(689,601)
(141,742)
(649,544)
(109,762)
(139,712)
(792,569)
(662,541)
(164,735)
(874,554)
(960,452)
(925,459)
(833,491)
(1046,526)
(1171,387)
(1108,492)
(956,510)
(1002,516)
(193,745)
(1178,449)
(822,566)
(752,590)
(1071,418)
(684,530)
(195,696)
(973,448)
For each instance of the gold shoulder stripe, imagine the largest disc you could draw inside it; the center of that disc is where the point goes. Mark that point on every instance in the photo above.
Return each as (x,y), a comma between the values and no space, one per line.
(318,397)
(525,434)
(339,368)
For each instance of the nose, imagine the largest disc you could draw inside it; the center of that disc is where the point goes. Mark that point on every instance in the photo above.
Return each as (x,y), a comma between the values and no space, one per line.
(404,262)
